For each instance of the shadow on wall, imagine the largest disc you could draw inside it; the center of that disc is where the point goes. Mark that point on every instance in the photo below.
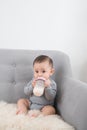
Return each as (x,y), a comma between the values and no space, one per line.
(83,72)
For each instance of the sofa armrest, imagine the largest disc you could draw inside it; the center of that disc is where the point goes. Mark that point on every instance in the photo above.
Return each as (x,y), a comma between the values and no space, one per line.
(72,102)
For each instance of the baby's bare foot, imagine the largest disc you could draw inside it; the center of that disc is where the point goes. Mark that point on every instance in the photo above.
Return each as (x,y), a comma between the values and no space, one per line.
(22,110)
(19,112)
(34,113)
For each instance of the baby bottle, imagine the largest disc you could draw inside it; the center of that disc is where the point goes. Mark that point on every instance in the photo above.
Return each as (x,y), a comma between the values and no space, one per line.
(39,87)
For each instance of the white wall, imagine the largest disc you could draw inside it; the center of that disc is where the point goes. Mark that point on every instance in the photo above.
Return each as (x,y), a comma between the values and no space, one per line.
(47,24)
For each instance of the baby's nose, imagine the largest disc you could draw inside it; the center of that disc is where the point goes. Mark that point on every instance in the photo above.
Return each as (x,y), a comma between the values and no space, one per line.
(40,74)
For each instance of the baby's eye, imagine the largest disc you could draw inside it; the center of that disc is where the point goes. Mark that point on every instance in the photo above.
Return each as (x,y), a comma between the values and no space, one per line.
(43,71)
(36,71)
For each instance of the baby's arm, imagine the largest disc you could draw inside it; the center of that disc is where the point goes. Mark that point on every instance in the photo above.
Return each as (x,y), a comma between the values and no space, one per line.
(28,90)
(50,91)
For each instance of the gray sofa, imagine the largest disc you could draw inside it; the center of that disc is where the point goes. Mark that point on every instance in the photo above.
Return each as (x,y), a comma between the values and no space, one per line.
(16,71)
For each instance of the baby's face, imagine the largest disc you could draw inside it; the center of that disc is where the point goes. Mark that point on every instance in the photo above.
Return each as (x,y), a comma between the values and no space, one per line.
(43,70)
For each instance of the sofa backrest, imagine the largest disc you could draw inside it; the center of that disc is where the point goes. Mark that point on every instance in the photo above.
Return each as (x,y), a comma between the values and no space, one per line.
(16,70)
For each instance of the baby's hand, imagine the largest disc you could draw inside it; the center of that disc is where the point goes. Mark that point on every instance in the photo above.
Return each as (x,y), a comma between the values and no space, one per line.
(47,83)
(34,83)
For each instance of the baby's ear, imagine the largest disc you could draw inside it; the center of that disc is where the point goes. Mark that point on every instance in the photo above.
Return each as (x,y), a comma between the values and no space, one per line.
(52,71)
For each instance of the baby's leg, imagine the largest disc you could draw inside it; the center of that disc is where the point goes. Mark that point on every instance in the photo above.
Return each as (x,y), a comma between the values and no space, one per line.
(48,110)
(22,106)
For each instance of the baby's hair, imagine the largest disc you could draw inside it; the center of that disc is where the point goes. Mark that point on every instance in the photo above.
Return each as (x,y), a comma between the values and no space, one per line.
(42,58)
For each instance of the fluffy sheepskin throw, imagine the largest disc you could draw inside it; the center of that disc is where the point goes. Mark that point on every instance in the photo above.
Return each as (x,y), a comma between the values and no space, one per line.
(10,121)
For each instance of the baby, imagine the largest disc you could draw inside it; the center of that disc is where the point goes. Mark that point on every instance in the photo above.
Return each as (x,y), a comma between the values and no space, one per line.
(44,101)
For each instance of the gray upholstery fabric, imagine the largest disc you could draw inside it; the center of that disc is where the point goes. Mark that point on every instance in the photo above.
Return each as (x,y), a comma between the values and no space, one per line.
(72,102)
(16,71)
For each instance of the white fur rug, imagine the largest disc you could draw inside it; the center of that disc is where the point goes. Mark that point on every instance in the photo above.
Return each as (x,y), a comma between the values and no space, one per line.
(10,121)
